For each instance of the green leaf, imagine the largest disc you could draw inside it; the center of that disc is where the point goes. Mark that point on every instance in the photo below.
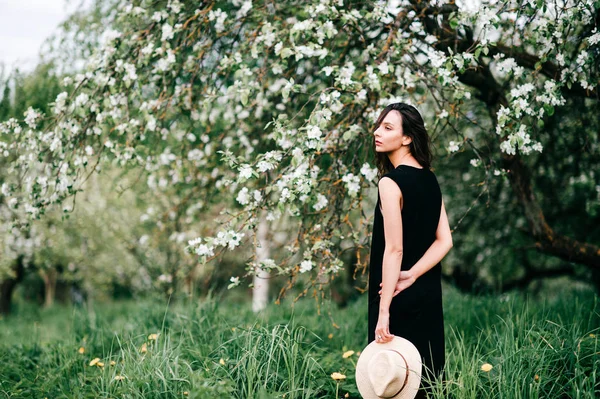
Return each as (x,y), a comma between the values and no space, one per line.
(453,23)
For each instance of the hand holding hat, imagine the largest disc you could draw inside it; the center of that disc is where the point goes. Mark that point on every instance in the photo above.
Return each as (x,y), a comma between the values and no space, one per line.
(390,370)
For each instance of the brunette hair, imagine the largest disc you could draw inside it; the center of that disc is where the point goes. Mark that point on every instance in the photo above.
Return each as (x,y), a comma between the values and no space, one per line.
(413,127)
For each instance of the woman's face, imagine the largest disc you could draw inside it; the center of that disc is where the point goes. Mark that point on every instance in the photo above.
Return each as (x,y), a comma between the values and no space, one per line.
(389,135)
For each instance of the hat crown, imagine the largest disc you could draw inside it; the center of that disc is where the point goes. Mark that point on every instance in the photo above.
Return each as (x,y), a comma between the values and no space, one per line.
(387,373)
(398,378)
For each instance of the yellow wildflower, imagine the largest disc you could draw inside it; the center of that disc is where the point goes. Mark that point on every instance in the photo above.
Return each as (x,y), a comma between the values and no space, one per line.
(119,377)
(100,364)
(347,354)
(81,350)
(536,378)
(233,329)
(486,367)
(144,348)
(338,376)
(222,362)
(112,362)
(185,393)
(592,335)
(153,337)
(94,361)
(330,336)
(347,395)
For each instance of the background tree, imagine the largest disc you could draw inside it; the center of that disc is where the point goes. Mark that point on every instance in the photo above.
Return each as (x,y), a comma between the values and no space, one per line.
(263,106)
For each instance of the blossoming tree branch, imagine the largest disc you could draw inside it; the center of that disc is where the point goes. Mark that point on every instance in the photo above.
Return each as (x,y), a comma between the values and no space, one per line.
(266,109)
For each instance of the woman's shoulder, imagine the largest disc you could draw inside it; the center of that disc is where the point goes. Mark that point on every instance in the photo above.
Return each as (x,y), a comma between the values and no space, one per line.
(407,175)
(407,170)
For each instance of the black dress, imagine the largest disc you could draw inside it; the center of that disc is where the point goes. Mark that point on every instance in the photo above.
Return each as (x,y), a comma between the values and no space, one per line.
(415,313)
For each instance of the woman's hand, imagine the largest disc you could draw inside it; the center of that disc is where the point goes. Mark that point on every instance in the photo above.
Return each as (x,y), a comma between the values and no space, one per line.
(405,280)
(382,330)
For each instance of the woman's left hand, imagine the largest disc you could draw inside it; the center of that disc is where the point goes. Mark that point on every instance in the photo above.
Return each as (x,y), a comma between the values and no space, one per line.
(382,330)
(405,280)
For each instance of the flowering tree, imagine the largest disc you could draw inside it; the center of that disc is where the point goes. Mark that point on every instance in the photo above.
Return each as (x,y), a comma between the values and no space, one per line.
(270,106)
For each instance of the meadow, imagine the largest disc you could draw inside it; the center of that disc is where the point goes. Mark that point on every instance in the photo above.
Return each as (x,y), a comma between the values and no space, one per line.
(538,347)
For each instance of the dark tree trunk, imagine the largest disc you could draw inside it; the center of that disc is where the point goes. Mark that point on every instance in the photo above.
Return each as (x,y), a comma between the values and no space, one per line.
(8,286)
(548,240)
(343,291)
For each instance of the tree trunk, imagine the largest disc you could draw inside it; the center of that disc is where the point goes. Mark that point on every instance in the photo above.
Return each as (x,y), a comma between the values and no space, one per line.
(547,239)
(260,292)
(49,276)
(7,286)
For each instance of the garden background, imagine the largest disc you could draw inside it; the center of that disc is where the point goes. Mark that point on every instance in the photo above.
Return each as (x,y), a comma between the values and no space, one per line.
(187,195)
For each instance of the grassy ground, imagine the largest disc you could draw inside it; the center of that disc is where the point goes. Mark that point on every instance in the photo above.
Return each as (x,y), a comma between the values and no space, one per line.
(218,348)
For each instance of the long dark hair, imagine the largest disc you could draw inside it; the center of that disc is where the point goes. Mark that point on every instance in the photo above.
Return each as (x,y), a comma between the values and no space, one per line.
(413,127)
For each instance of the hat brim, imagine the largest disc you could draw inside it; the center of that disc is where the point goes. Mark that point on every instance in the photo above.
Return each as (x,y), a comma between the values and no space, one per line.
(413,360)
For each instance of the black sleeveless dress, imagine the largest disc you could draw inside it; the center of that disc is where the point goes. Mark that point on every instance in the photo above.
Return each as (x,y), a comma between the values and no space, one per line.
(415,313)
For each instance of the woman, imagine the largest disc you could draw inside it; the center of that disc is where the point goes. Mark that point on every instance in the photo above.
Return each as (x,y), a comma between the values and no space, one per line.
(410,230)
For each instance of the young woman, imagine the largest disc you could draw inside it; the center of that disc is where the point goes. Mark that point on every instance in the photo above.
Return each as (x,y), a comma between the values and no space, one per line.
(411,235)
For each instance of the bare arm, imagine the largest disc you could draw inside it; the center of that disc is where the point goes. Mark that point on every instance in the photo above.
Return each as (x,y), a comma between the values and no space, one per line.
(391,196)
(435,253)
(438,249)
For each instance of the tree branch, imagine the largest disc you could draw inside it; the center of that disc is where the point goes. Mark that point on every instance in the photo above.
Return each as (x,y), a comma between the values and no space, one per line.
(548,241)
(547,68)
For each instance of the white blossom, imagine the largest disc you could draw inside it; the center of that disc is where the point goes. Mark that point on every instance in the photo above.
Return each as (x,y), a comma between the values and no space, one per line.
(31,116)
(321,202)
(245,172)
(242,197)
(352,183)
(582,57)
(230,238)
(384,68)
(81,100)
(453,146)
(595,38)
(328,70)
(313,132)
(368,172)
(306,266)
(219,16)
(344,77)
(60,102)
(165,63)
(243,11)
(507,147)
(167,32)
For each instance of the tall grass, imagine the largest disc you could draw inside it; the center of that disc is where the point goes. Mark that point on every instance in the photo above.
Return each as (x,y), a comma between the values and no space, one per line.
(218,348)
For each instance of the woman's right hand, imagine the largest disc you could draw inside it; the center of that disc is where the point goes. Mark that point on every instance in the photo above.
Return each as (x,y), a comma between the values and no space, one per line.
(405,280)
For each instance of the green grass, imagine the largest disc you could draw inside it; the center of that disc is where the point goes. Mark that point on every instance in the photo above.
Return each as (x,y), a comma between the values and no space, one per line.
(217,348)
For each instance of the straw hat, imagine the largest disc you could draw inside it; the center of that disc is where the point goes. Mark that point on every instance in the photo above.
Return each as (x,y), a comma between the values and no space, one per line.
(390,370)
